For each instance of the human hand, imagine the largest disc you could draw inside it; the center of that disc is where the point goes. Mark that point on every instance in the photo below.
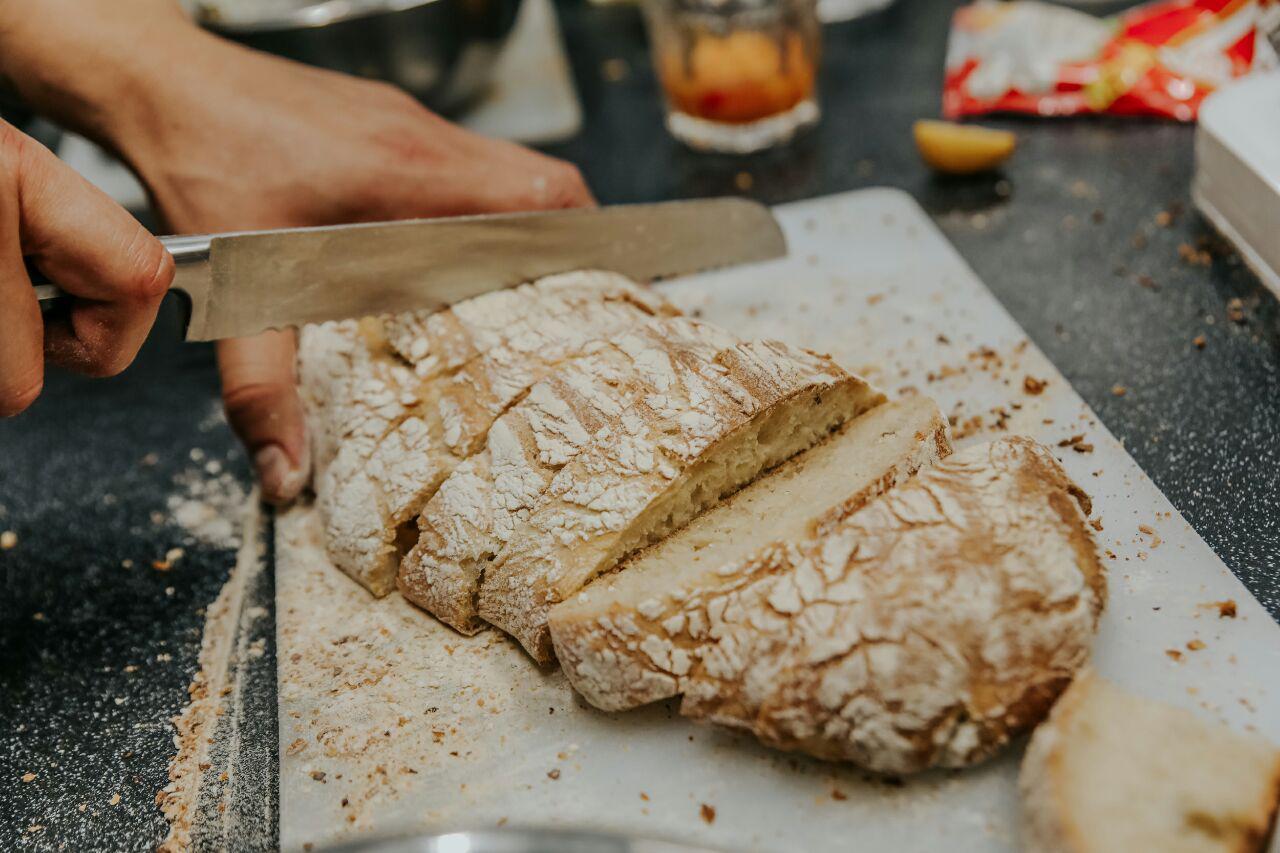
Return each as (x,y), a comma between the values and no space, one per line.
(116,271)
(272,143)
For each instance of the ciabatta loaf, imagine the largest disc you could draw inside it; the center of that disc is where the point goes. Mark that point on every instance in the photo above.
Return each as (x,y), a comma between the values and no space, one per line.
(422,391)
(1110,772)
(474,513)
(715,427)
(624,640)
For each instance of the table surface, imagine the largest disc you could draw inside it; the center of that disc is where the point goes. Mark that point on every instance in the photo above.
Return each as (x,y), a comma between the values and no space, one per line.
(95,657)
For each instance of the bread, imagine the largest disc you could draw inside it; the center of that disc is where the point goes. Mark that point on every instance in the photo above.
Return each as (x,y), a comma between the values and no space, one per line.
(923,630)
(473,514)
(605,637)
(672,455)
(419,392)
(1110,771)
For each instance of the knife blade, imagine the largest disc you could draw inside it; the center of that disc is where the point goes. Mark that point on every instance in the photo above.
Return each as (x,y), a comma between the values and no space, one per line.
(244,283)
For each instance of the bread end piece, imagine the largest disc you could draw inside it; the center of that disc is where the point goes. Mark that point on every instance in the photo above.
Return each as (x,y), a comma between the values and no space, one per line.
(1111,771)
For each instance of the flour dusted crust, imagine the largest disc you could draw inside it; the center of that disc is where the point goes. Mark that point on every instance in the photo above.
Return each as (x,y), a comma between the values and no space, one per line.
(1113,771)
(406,399)
(617,639)
(924,630)
(707,429)
(478,508)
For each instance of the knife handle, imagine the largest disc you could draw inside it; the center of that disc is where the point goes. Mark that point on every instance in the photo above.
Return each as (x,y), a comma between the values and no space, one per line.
(186,249)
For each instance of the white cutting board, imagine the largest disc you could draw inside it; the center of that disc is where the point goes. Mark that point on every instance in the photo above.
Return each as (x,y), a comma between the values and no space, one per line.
(431,730)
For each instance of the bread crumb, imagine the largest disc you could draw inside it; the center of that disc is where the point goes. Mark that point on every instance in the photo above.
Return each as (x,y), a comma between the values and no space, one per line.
(1173,654)
(317,775)
(1199,341)
(1119,390)
(837,794)
(553,774)
(114,801)
(1034,386)
(1195,645)
(644,796)
(708,813)
(28,777)
(8,540)
(1235,311)
(296,747)
(1226,609)
(1096,524)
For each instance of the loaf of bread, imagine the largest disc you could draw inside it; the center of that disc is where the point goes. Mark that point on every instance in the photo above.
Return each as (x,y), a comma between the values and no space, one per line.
(1110,772)
(923,630)
(605,637)
(397,404)
(676,452)
(477,509)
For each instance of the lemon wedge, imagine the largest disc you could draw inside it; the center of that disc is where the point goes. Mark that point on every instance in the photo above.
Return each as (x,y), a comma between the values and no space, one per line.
(962,149)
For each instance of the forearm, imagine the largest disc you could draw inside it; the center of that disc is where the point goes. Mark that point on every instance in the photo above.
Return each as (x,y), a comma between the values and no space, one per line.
(93,65)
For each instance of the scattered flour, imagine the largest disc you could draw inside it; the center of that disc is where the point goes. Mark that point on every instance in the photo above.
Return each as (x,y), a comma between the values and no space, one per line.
(208,508)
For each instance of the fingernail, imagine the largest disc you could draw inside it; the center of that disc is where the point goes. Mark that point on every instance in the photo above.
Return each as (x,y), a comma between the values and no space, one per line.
(276,474)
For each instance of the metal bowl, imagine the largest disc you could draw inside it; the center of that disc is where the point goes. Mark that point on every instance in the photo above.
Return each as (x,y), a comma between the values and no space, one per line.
(440,51)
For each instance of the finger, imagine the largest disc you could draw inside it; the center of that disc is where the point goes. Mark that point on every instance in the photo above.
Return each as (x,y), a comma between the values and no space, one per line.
(21,341)
(95,251)
(259,391)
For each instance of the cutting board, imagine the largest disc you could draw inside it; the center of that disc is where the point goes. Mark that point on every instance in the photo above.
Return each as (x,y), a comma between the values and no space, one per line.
(390,721)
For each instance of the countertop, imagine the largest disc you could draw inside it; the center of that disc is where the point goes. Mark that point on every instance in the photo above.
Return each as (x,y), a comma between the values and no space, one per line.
(96,655)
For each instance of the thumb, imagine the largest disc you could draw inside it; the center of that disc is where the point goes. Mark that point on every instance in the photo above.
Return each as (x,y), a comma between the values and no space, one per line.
(260,393)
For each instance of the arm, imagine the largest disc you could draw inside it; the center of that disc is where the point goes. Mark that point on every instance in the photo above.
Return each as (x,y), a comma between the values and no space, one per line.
(227,138)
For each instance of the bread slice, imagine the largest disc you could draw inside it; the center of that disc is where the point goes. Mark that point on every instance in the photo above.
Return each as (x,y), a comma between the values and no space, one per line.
(611,637)
(715,428)
(1110,771)
(473,514)
(413,407)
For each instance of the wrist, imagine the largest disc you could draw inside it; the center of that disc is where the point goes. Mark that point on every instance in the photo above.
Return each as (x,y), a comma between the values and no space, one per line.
(93,67)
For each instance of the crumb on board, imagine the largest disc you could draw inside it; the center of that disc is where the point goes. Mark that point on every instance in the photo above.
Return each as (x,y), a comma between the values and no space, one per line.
(1199,341)
(1034,386)
(1226,609)
(1119,390)
(553,774)
(28,777)
(708,813)
(1173,654)
(115,800)
(1195,645)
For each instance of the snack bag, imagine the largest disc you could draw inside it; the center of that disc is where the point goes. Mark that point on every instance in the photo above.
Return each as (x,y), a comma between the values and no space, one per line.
(1158,59)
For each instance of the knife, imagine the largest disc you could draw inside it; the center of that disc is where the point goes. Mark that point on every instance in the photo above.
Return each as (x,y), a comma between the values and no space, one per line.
(244,283)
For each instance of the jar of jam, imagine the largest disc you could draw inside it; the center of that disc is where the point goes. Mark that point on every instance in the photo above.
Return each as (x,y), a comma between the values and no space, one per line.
(738,75)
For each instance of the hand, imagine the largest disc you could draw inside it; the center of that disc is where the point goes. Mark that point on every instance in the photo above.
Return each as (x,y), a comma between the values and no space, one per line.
(93,249)
(271,143)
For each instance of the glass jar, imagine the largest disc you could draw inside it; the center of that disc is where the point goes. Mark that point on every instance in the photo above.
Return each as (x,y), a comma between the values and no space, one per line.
(738,75)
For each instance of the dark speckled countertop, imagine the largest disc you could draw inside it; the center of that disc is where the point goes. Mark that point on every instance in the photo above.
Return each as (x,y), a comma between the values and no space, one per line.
(96,657)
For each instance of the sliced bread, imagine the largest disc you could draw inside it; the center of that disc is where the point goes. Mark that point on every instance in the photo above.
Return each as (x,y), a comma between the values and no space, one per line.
(473,514)
(401,429)
(1110,771)
(715,427)
(618,639)
(923,630)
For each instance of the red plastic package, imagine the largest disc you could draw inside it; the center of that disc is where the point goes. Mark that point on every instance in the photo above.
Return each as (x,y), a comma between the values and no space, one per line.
(1158,59)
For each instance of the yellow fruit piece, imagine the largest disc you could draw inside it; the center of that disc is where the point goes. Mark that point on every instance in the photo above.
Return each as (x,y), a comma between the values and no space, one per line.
(962,149)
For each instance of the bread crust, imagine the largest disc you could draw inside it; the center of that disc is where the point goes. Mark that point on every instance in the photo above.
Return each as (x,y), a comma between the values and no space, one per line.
(606,657)
(924,630)
(397,403)
(477,510)
(603,504)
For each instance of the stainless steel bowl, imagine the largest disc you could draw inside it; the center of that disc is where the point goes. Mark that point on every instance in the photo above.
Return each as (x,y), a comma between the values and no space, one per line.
(440,51)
